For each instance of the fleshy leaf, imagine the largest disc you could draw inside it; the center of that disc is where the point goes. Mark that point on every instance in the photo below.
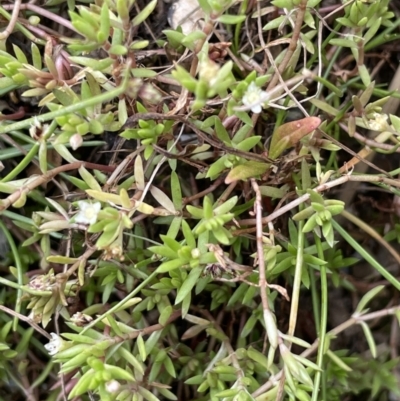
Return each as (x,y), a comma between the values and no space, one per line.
(249,169)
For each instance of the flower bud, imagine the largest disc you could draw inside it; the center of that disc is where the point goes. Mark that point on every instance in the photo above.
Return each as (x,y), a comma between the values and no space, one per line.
(75,141)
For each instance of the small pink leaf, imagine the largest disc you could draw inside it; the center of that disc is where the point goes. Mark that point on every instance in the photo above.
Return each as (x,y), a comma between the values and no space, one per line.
(289,134)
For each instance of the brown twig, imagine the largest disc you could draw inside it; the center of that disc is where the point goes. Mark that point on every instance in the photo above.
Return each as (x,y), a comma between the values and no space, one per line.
(148,330)
(40,11)
(13,20)
(89,252)
(26,319)
(370,142)
(322,188)
(201,194)
(42,179)
(13,116)
(292,46)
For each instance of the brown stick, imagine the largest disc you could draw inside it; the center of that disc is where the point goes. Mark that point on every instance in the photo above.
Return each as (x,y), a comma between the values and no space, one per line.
(27,320)
(11,24)
(292,46)
(42,179)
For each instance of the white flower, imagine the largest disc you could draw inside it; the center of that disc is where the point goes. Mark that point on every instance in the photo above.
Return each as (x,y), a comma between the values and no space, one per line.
(54,345)
(379,123)
(208,72)
(88,212)
(253,98)
(196,253)
(112,386)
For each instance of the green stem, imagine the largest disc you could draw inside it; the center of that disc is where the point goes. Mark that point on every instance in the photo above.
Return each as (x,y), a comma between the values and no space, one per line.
(380,93)
(72,108)
(20,274)
(43,375)
(332,163)
(357,247)
(21,287)
(323,324)
(17,217)
(297,280)
(329,85)
(371,232)
(23,164)
(122,302)
(315,298)
(238,27)
(10,153)
(384,37)
(327,72)
(339,116)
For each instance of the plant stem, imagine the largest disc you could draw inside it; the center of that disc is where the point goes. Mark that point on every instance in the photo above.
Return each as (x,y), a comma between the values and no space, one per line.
(62,111)
(24,288)
(332,333)
(13,20)
(358,248)
(262,281)
(43,12)
(323,323)
(297,280)
(17,316)
(294,41)
(122,302)
(20,274)
(23,164)
(322,188)
(370,231)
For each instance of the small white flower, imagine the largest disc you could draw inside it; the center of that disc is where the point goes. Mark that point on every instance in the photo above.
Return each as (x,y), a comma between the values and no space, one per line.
(54,345)
(88,212)
(253,98)
(379,123)
(196,253)
(112,386)
(208,72)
